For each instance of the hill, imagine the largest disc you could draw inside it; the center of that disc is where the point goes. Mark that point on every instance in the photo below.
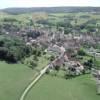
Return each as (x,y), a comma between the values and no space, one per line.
(51,9)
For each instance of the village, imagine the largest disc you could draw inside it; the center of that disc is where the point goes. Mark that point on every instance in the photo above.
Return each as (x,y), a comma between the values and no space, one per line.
(63,49)
(55,42)
(50,55)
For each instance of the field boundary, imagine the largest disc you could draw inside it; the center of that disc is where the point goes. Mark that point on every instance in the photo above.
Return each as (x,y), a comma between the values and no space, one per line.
(37,77)
(42,72)
(22,97)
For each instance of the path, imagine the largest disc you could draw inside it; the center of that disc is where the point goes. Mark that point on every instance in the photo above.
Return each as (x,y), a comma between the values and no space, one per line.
(42,72)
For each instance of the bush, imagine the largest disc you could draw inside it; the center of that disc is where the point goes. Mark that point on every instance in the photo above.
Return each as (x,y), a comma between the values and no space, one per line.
(32,64)
(3,53)
(52,58)
(11,57)
(89,64)
(81,52)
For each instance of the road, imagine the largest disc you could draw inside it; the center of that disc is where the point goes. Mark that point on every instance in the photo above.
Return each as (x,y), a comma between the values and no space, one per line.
(42,72)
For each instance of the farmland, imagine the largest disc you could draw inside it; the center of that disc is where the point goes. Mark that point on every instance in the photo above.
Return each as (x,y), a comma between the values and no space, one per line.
(15,77)
(54,88)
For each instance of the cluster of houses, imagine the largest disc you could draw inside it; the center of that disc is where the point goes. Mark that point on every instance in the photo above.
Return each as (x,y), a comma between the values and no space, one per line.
(60,46)
(57,43)
(62,60)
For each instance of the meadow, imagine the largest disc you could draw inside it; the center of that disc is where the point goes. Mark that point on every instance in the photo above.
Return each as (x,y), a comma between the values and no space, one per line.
(54,88)
(14,78)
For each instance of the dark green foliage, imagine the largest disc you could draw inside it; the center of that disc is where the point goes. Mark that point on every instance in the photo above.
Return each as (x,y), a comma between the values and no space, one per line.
(81,52)
(67,30)
(47,71)
(82,26)
(89,64)
(57,68)
(35,58)
(1,43)
(3,52)
(7,55)
(36,52)
(65,24)
(10,27)
(69,76)
(85,16)
(33,64)
(52,58)
(97,63)
(11,57)
(33,34)
(9,20)
(44,22)
(13,49)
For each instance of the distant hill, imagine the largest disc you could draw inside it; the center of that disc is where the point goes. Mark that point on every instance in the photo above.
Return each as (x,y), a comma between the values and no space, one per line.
(51,9)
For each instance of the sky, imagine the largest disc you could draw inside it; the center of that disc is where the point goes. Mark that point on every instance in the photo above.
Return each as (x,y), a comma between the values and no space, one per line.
(47,3)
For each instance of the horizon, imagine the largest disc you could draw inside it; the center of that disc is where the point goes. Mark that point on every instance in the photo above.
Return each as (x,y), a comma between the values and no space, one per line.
(49,7)
(45,3)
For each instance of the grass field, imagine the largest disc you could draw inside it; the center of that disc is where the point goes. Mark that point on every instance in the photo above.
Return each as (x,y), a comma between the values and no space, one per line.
(41,63)
(54,88)
(15,77)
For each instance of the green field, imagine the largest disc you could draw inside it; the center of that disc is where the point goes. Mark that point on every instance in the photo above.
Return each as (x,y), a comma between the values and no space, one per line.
(15,77)
(54,88)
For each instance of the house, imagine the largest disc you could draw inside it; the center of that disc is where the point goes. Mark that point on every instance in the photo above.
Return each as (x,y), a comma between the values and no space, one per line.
(60,61)
(28,44)
(33,41)
(71,44)
(74,68)
(56,49)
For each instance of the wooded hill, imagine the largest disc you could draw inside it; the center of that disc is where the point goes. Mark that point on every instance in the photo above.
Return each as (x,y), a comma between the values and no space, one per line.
(51,9)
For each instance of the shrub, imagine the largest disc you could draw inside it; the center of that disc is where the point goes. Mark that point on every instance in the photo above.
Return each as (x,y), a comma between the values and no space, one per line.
(81,52)
(52,58)
(32,64)
(89,64)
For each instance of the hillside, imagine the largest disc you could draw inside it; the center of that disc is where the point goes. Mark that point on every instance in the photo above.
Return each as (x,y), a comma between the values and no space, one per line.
(51,9)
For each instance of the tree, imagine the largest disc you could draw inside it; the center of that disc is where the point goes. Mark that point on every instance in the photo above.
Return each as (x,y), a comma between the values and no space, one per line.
(3,53)
(57,68)
(35,58)
(81,52)
(52,58)
(13,49)
(89,64)
(32,64)
(1,43)
(11,57)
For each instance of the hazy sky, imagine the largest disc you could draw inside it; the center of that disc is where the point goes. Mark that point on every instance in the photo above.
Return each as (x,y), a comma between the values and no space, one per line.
(47,3)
